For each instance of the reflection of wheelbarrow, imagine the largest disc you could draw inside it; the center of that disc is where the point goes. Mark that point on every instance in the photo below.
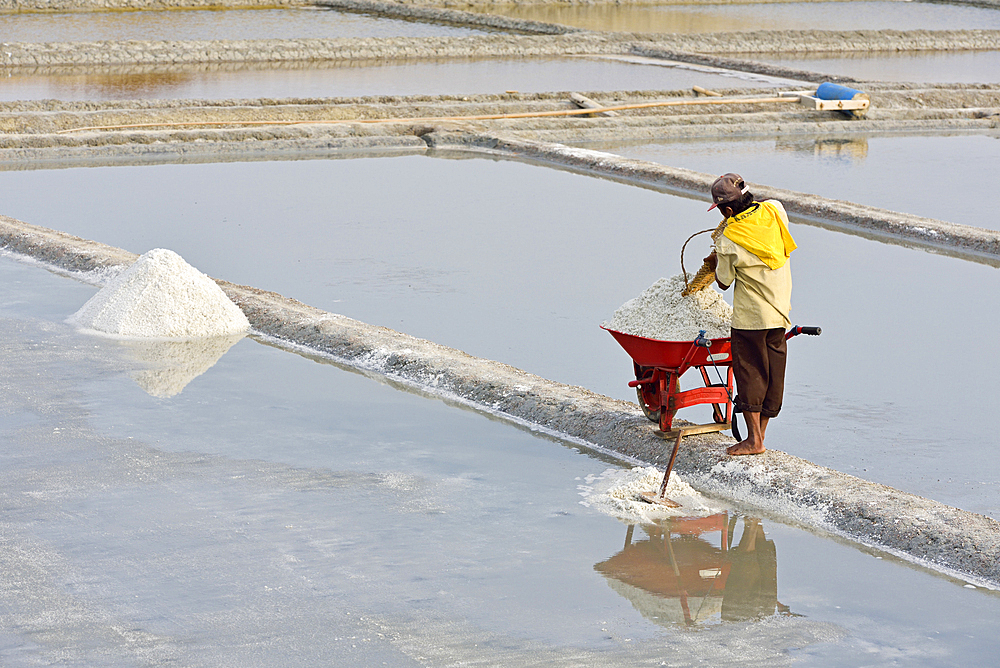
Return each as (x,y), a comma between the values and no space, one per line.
(658,368)
(679,564)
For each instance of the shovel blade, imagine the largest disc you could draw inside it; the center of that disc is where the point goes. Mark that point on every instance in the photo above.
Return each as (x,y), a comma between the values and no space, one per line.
(657,500)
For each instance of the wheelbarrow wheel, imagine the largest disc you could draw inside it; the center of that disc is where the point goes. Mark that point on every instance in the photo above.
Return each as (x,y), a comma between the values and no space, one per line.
(652,415)
(648,394)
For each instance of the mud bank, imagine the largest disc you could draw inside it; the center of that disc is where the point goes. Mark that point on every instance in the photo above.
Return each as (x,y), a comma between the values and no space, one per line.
(272,51)
(294,146)
(133,53)
(102,5)
(430,14)
(947,539)
(98,5)
(896,108)
(487,3)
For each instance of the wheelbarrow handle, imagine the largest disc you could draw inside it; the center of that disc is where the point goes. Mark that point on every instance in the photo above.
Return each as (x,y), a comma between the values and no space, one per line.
(799,329)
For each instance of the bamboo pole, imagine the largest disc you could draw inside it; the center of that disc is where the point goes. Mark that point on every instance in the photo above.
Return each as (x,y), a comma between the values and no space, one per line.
(585,102)
(704,91)
(431,119)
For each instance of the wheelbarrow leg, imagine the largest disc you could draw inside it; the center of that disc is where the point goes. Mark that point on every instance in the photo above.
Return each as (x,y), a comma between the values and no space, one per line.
(719,416)
(658,497)
(669,385)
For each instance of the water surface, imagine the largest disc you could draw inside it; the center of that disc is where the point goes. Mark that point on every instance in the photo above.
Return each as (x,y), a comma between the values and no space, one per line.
(423,77)
(925,66)
(207,24)
(943,174)
(284,511)
(701,18)
(521,263)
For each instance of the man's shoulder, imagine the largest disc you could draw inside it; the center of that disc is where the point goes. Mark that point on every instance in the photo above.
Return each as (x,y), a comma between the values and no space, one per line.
(725,245)
(775,204)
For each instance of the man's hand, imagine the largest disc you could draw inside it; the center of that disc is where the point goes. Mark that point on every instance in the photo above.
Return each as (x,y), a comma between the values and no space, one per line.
(712,260)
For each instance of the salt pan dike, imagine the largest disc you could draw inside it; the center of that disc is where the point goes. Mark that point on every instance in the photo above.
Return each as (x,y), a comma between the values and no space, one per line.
(945,539)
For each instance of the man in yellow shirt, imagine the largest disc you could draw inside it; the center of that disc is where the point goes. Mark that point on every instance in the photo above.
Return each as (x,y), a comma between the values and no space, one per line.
(752,252)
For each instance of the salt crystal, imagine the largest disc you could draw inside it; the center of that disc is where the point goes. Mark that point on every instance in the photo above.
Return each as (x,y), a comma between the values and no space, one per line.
(661,313)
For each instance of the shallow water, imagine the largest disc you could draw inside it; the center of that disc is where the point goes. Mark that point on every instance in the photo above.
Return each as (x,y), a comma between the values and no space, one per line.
(564,251)
(206,24)
(423,77)
(926,67)
(283,511)
(695,18)
(944,174)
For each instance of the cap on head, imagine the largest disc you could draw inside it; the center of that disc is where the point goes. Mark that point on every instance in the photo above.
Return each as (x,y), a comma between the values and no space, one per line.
(727,188)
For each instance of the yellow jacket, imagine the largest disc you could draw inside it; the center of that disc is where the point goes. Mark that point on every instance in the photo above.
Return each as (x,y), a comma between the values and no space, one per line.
(761,230)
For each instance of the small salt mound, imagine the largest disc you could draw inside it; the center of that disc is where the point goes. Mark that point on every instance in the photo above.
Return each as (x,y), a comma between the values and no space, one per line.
(163,296)
(616,492)
(660,312)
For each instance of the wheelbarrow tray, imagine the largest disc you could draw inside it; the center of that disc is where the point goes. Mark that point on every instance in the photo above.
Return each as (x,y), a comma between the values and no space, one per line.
(671,354)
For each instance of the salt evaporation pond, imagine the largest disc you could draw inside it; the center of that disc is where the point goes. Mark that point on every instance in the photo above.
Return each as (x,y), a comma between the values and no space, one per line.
(701,18)
(201,24)
(523,271)
(284,511)
(944,175)
(925,66)
(421,77)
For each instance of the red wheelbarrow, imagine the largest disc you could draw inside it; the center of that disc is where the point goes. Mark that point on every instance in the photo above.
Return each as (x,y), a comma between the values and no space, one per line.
(658,368)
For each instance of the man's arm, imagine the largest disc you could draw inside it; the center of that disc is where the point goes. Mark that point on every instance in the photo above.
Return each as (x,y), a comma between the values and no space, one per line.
(713,261)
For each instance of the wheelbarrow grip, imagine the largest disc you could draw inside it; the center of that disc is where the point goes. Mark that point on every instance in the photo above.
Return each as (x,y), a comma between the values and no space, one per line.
(798,329)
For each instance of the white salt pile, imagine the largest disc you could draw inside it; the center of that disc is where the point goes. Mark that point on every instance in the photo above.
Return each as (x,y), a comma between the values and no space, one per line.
(161,296)
(660,312)
(616,492)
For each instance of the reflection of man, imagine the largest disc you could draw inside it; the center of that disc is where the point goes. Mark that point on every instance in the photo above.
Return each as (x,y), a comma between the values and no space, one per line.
(752,587)
(752,252)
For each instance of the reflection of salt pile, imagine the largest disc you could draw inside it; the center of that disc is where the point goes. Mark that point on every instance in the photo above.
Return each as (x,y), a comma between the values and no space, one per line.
(616,492)
(176,321)
(660,312)
(174,364)
(161,295)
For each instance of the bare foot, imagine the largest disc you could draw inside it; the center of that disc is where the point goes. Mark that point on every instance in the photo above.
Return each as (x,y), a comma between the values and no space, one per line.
(745,448)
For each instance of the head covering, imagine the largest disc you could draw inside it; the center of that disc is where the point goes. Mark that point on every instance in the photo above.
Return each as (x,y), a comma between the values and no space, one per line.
(727,188)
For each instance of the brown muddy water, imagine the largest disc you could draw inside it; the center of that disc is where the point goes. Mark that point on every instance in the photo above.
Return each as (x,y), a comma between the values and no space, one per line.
(206,24)
(698,18)
(362,78)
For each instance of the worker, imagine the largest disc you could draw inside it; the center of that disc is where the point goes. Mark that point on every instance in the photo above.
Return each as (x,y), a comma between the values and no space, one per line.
(752,252)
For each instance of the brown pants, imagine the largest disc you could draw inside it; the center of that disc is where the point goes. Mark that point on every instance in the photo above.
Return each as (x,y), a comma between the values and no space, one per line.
(759,368)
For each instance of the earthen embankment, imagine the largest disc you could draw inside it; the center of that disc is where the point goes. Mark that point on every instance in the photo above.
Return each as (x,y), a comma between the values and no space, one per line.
(59,6)
(168,124)
(678,47)
(101,5)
